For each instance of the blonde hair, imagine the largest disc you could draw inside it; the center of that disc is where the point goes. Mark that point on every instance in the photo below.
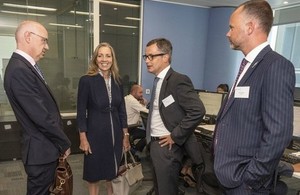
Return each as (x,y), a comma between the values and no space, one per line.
(114,69)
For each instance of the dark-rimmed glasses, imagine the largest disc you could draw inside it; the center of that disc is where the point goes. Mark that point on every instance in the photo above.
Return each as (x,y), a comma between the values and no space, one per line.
(44,39)
(151,56)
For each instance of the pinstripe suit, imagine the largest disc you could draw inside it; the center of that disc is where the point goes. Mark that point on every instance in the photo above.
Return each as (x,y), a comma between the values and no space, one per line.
(252,133)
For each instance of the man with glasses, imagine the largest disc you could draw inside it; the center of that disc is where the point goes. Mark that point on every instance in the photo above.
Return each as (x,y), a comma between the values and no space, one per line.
(174,113)
(43,138)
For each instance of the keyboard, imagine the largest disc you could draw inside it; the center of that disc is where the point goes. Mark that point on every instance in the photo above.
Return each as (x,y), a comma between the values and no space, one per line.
(292,159)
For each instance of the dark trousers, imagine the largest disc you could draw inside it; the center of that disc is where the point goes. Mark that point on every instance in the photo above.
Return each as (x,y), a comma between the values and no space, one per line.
(40,178)
(166,164)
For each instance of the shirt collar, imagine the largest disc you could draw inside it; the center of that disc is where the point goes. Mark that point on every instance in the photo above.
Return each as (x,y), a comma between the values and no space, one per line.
(163,73)
(26,56)
(254,52)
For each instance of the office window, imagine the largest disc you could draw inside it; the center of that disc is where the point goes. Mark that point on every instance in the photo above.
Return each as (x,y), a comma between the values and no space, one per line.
(288,44)
(68,26)
(119,25)
(287,38)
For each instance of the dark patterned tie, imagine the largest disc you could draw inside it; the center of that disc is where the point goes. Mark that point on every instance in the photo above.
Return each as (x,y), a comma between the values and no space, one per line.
(242,67)
(39,71)
(148,137)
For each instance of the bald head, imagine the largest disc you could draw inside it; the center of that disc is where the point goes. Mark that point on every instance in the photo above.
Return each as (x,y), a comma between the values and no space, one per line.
(137,91)
(32,38)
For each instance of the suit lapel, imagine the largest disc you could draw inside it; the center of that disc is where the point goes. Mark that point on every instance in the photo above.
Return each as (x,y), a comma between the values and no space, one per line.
(34,72)
(226,106)
(164,86)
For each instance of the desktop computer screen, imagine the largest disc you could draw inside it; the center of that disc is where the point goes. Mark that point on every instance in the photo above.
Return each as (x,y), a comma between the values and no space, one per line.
(295,143)
(212,101)
(296,129)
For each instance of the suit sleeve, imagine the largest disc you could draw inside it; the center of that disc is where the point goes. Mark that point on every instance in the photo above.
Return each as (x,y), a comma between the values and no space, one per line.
(39,106)
(82,101)
(277,115)
(122,109)
(191,107)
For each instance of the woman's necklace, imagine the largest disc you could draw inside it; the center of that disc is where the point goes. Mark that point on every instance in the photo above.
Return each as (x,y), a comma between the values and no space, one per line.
(107,80)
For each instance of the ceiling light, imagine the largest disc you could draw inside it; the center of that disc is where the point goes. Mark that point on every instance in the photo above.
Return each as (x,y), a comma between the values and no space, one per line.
(29,7)
(81,13)
(132,18)
(66,25)
(285,2)
(121,26)
(7,26)
(118,3)
(22,13)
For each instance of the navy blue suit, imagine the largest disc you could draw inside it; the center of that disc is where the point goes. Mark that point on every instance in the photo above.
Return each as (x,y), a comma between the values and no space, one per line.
(252,133)
(35,108)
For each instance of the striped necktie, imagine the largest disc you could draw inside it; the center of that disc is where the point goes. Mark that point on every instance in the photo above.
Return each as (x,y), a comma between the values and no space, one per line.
(39,71)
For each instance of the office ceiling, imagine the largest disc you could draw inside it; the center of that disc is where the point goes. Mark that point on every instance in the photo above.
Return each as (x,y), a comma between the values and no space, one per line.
(275,4)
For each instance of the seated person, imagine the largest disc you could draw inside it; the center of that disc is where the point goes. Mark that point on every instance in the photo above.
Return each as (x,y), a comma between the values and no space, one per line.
(135,103)
(287,169)
(222,88)
(284,169)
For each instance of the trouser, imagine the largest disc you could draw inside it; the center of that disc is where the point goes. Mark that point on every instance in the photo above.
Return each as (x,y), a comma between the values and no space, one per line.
(40,178)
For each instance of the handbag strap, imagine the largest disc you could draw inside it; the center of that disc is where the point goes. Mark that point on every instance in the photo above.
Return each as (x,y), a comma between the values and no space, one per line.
(131,156)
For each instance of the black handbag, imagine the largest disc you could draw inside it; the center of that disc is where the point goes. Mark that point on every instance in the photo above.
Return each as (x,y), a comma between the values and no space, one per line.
(63,181)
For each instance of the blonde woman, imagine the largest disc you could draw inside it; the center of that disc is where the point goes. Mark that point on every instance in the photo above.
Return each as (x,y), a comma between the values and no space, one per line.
(101,118)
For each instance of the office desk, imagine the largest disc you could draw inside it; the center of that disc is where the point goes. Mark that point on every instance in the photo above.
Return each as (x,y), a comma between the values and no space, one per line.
(205,130)
(296,175)
(205,133)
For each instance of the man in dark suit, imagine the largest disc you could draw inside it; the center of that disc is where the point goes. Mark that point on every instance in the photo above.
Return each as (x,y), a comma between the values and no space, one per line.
(43,138)
(174,113)
(255,124)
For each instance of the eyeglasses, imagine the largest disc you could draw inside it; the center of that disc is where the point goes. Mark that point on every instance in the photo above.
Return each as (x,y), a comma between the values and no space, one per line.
(151,56)
(44,39)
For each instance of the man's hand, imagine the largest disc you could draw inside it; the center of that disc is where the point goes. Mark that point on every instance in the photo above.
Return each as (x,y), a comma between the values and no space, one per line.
(166,140)
(296,167)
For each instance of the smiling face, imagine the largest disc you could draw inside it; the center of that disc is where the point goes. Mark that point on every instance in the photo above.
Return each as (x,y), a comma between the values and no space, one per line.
(104,59)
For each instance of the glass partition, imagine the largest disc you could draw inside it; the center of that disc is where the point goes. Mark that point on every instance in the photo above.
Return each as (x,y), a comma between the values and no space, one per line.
(287,38)
(69,44)
(119,25)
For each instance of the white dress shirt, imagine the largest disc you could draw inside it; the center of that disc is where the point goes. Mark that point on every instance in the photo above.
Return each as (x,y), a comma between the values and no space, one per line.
(133,109)
(157,126)
(250,58)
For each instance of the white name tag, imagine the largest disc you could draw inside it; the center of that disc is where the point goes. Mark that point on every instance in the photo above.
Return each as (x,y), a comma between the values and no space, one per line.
(242,92)
(168,100)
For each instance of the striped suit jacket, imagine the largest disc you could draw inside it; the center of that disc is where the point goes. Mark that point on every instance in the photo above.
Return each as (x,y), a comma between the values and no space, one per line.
(252,133)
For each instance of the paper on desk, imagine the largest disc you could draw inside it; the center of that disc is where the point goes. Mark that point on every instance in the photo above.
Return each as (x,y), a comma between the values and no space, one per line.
(296,154)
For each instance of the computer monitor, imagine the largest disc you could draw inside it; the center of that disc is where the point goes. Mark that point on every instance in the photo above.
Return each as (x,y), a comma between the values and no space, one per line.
(296,129)
(212,101)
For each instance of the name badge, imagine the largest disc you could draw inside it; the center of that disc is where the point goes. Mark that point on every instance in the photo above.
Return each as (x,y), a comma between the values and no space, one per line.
(242,92)
(168,100)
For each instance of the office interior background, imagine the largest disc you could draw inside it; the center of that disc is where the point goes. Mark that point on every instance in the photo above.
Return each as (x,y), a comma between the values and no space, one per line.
(197,30)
